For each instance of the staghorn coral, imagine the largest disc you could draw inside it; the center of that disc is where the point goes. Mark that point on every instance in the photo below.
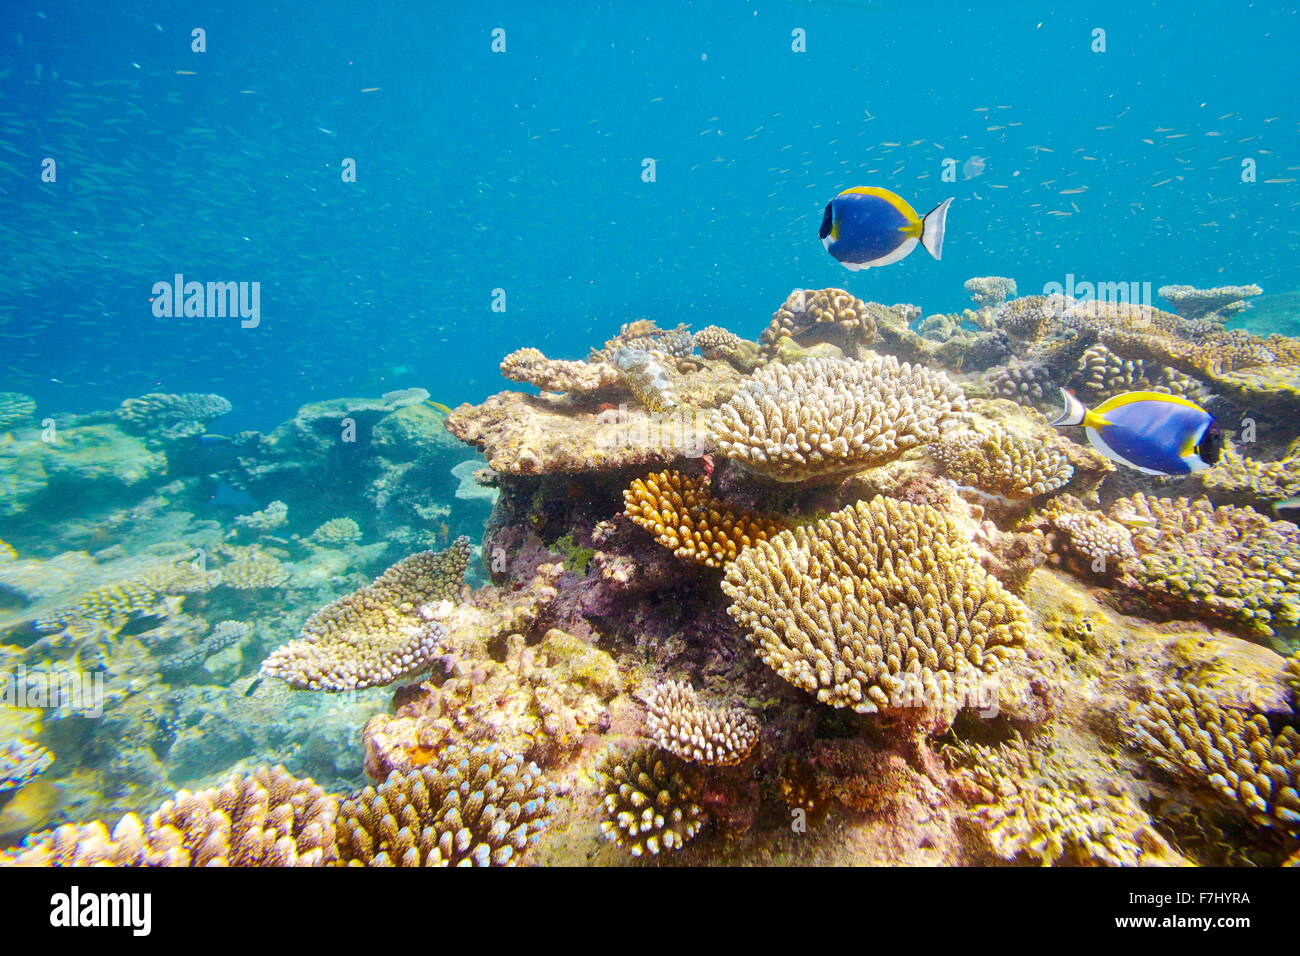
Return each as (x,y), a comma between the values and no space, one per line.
(679,511)
(686,728)
(558,375)
(1228,563)
(471,806)
(21,762)
(377,634)
(990,291)
(1187,733)
(268,818)
(336,533)
(993,459)
(805,308)
(650,802)
(874,605)
(1032,800)
(15,409)
(1216,305)
(275,515)
(824,418)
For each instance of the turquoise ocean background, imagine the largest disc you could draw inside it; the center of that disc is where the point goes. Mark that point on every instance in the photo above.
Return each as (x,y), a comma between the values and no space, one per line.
(522,171)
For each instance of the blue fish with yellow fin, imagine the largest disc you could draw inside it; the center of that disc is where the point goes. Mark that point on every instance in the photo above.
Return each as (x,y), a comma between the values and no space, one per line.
(867,227)
(1155,433)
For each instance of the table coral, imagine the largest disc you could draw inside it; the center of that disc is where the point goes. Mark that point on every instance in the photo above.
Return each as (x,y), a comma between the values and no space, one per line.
(650,802)
(990,291)
(682,725)
(1216,304)
(475,806)
(162,416)
(268,818)
(378,634)
(679,511)
(1187,733)
(823,419)
(995,460)
(875,605)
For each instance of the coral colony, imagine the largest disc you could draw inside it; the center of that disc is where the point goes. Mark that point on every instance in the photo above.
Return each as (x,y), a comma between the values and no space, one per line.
(730,593)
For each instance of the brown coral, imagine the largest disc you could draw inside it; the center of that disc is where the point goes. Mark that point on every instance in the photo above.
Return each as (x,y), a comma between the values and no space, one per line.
(875,605)
(805,308)
(557,375)
(679,511)
(378,634)
(683,726)
(826,418)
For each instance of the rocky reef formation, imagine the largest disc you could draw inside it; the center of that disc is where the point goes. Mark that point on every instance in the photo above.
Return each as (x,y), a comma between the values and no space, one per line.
(835,595)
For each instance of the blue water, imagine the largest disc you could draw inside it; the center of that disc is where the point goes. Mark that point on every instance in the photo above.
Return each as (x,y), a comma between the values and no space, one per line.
(522,171)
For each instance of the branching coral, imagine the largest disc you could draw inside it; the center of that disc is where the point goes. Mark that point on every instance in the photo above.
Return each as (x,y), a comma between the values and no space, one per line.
(679,511)
(650,802)
(1103,374)
(110,605)
(476,806)
(1190,735)
(266,819)
(995,460)
(378,634)
(1030,384)
(253,569)
(643,335)
(1229,563)
(1104,543)
(1032,800)
(826,418)
(713,341)
(874,606)
(683,726)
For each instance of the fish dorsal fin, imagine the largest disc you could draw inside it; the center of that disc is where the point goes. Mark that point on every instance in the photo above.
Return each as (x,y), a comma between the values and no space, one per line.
(895,200)
(1128,398)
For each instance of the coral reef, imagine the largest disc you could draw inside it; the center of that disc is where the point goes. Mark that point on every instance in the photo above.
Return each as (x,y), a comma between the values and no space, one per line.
(21,762)
(994,460)
(875,606)
(1215,305)
(558,375)
(477,806)
(823,419)
(378,634)
(649,803)
(678,510)
(990,291)
(268,818)
(1187,733)
(686,728)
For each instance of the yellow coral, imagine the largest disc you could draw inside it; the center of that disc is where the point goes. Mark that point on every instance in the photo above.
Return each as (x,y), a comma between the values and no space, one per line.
(650,802)
(993,459)
(683,726)
(678,510)
(875,605)
(805,308)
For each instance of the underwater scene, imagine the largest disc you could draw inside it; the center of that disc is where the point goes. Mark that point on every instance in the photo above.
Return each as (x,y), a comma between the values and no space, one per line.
(715,433)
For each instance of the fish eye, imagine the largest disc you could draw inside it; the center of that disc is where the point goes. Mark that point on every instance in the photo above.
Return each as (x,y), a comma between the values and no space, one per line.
(826,223)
